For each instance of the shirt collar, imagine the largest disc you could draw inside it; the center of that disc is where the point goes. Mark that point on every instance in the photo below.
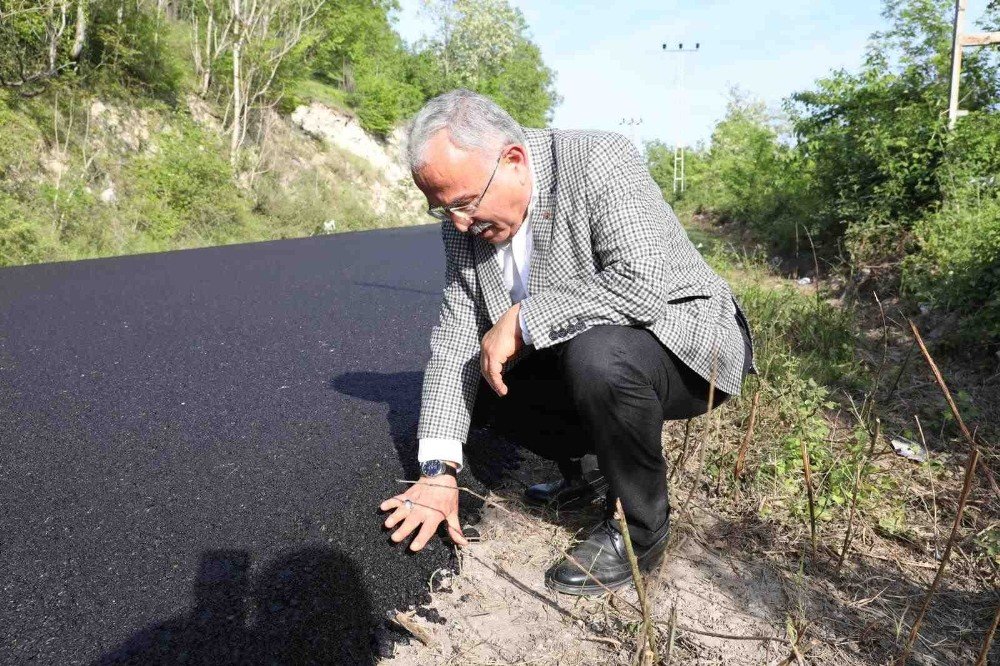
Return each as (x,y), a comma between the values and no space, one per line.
(531,203)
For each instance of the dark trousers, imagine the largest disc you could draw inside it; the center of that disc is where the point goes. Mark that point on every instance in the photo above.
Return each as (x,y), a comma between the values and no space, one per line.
(606,392)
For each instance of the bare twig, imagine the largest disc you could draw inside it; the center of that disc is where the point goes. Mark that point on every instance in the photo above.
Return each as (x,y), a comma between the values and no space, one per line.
(647,625)
(728,637)
(412,627)
(747,437)
(708,425)
(815,263)
(988,639)
(850,519)
(809,493)
(970,469)
(671,633)
(954,409)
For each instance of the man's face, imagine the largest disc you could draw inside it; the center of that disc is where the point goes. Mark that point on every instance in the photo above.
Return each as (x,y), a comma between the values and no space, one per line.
(453,176)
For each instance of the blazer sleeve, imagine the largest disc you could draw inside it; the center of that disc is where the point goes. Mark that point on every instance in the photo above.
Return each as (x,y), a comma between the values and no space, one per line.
(451,377)
(630,232)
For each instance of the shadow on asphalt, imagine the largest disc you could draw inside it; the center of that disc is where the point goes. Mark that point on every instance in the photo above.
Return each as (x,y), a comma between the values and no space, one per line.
(304,608)
(487,457)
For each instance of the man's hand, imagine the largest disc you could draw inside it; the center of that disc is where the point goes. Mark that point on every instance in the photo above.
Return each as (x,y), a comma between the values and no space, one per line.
(434,499)
(499,344)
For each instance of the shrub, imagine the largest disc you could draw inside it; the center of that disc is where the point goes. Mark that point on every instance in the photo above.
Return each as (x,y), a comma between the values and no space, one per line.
(185,187)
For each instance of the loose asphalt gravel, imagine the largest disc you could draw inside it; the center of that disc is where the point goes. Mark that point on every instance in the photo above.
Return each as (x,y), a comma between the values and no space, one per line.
(194,444)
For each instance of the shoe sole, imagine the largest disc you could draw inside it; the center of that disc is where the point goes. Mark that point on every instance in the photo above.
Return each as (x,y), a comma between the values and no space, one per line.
(593,589)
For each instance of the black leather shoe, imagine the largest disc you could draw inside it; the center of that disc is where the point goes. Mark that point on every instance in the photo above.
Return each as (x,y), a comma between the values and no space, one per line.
(566,494)
(603,555)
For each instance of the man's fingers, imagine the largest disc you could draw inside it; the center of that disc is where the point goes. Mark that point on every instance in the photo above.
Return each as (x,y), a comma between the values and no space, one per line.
(395,517)
(455,530)
(496,375)
(391,503)
(495,378)
(426,532)
(412,520)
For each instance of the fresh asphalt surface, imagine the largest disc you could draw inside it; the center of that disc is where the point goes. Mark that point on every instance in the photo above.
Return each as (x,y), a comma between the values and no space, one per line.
(194,444)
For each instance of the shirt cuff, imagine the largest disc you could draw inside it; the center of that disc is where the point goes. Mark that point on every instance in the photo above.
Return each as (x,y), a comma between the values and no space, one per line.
(433,448)
(525,335)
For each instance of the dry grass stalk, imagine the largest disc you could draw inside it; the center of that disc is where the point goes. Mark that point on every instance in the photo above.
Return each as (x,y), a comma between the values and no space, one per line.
(987,639)
(705,437)
(815,263)
(741,456)
(728,637)
(850,518)
(809,492)
(970,473)
(671,633)
(954,409)
(647,623)
(854,493)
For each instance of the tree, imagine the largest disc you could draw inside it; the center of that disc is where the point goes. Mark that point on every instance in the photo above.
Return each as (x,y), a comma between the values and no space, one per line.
(484,45)
(36,42)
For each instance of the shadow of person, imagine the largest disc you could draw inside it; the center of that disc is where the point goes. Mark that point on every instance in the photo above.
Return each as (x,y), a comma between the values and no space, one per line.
(309,607)
(485,457)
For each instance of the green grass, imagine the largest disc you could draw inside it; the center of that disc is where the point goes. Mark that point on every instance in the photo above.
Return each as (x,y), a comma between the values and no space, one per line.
(305,91)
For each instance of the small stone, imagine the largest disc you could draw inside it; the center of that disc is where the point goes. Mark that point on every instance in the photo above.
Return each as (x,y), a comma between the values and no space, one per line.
(804,280)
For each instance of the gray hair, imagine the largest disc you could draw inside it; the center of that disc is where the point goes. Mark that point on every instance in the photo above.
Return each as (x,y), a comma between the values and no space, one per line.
(473,121)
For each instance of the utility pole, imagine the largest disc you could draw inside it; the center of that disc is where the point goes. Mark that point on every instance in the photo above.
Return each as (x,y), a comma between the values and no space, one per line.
(960,40)
(681,104)
(632,122)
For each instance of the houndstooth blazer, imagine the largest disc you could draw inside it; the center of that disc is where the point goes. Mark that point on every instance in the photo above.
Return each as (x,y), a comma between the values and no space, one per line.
(607,250)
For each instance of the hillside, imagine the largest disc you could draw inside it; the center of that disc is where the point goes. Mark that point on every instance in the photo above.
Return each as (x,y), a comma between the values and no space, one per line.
(88,177)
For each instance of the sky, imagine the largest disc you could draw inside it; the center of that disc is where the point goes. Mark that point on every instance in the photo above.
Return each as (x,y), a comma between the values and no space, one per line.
(610,65)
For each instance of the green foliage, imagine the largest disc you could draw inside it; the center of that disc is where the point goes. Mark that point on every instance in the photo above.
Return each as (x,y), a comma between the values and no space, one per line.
(804,350)
(185,187)
(20,242)
(124,45)
(483,45)
(748,174)
(873,168)
(357,50)
(129,46)
(876,140)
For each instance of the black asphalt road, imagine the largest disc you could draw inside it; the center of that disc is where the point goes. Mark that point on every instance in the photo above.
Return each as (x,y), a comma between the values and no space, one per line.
(193,446)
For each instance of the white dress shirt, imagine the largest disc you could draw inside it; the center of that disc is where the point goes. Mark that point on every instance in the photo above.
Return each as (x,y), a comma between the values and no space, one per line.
(514,257)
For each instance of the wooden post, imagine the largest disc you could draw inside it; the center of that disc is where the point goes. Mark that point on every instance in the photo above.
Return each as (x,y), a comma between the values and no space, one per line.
(958,42)
(956,62)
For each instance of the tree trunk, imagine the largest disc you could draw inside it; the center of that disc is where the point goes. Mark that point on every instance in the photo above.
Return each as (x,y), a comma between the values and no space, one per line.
(237,81)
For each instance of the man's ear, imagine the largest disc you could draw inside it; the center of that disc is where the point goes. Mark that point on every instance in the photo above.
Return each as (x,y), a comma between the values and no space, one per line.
(516,153)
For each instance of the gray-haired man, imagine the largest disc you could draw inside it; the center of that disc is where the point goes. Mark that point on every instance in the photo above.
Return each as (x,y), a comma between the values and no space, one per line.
(576,317)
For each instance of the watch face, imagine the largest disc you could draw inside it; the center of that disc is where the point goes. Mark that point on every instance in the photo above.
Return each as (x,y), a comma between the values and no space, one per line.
(433,468)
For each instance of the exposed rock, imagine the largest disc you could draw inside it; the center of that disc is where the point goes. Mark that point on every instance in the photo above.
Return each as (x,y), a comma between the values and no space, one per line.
(343,130)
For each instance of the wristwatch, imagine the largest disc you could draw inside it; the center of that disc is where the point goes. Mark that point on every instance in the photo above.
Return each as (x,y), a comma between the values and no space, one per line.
(437,468)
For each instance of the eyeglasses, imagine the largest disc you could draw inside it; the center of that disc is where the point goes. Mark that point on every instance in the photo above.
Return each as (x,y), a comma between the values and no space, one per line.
(464,211)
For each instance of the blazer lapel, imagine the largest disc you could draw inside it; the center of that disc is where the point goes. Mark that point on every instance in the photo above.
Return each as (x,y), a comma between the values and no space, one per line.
(491,281)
